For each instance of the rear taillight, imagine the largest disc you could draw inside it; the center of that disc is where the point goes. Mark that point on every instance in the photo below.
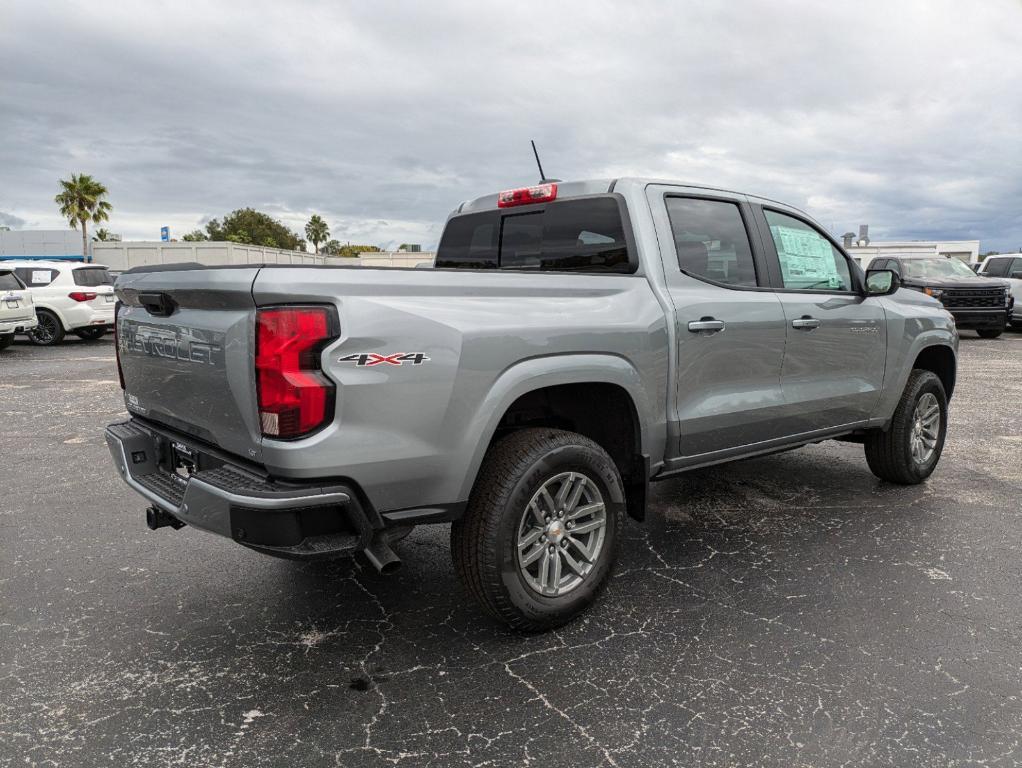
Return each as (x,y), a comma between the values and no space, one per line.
(541,193)
(117,344)
(82,295)
(295,397)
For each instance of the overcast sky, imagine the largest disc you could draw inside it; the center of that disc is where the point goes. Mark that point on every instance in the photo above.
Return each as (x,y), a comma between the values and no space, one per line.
(383,116)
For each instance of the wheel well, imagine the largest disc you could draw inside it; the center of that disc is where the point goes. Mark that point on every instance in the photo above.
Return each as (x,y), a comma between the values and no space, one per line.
(941,361)
(602,412)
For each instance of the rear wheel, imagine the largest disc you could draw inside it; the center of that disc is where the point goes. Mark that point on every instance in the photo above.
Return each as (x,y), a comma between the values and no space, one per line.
(990,333)
(537,541)
(49,331)
(908,452)
(6,340)
(90,334)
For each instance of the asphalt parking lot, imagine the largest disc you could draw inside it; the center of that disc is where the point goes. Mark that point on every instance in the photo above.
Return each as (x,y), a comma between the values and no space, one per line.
(791,610)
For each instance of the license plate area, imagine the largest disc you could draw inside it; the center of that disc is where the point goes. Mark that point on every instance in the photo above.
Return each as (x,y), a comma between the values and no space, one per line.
(12,304)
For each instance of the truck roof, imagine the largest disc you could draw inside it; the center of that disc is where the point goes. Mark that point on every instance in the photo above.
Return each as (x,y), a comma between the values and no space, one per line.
(605,186)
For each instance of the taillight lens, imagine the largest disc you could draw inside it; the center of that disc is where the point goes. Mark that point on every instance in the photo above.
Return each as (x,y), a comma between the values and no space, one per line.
(117,344)
(541,193)
(295,397)
(82,295)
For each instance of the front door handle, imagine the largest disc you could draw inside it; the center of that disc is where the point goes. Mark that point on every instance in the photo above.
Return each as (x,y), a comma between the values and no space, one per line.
(805,323)
(706,324)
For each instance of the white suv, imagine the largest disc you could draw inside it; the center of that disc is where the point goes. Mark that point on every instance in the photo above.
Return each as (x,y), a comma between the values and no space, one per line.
(1007,266)
(17,312)
(69,297)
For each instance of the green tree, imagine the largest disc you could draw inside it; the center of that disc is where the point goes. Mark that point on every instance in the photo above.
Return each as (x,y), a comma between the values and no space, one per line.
(102,235)
(81,201)
(252,227)
(317,231)
(195,236)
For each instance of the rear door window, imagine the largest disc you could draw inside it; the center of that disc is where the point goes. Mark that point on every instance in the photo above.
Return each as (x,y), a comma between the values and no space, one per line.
(711,240)
(90,277)
(36,277)
(9,282)
(584,235)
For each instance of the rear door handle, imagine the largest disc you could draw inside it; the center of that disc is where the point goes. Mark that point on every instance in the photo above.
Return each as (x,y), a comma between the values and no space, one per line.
(706,324)
(805,323)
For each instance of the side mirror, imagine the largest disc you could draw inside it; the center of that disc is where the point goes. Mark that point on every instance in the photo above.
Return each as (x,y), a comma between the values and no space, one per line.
(882,282)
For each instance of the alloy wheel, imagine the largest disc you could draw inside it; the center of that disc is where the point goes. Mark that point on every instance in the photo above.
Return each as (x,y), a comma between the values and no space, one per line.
(561,534)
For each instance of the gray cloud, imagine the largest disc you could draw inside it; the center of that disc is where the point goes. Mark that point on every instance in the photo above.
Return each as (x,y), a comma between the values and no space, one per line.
(12,221)
(382,117)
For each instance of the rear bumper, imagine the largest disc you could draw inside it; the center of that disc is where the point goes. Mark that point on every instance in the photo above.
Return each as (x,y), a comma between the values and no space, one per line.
(299,521)
(18,325)
(979,318)
(84,316)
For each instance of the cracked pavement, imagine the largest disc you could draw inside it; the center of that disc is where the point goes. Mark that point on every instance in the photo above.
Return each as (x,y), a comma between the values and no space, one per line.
(791,610)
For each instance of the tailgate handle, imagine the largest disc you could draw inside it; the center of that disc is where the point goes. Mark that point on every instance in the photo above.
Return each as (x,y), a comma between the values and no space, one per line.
(159,304)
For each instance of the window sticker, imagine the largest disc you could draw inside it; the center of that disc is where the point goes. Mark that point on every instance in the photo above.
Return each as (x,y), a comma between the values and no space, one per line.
(41,276)
(806,258)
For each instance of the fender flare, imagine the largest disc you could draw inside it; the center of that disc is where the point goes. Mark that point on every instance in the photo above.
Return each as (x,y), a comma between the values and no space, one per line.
(549,371)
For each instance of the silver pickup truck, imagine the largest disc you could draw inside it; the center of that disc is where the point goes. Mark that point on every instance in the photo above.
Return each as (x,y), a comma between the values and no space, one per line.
(575,342)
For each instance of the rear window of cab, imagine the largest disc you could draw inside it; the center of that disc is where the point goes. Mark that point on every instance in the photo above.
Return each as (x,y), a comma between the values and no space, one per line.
(580,235)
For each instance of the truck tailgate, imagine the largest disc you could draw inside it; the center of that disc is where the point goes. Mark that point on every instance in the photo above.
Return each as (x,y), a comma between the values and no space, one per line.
(185,345)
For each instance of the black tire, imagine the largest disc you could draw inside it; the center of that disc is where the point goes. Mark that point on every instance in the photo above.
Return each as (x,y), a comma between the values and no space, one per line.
(90,334)
(6,340)
(49,331)
(990,333)
(484,541)
(889,454)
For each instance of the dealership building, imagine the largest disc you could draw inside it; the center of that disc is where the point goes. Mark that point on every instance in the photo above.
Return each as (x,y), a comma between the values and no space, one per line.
(864,250)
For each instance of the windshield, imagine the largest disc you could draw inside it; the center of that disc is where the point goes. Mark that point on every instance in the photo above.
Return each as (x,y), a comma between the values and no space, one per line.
(936,267)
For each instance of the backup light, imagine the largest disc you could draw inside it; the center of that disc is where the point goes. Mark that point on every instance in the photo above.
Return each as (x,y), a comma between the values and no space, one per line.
(295,397)
(541,193)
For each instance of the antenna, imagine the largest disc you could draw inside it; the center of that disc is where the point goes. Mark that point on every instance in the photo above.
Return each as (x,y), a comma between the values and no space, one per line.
(541,176)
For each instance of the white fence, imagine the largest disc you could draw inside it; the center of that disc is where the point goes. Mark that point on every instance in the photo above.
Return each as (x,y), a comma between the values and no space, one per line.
(122,256)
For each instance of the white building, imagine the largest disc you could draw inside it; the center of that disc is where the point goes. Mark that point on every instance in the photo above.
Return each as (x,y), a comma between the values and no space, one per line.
(865,250)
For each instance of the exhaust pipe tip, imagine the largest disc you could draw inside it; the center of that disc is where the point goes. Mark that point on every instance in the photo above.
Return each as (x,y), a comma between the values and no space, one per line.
(381,556)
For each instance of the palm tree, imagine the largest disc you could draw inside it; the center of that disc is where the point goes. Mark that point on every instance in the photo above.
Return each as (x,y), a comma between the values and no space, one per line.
(81,201)
(102,235)
(317,231)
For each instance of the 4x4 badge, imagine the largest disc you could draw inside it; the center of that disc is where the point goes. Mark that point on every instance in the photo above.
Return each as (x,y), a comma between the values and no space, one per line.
(369,359)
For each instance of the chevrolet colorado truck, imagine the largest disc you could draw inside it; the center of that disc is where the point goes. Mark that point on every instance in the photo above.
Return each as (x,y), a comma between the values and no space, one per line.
(574,342)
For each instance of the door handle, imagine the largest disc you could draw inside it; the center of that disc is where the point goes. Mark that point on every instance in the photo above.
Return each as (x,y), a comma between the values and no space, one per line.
(706,324)
(805,323)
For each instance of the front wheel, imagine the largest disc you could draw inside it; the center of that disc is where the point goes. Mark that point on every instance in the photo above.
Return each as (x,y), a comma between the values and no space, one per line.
(990,333)
(537,541)
(90,334)
(49,331)
(908,452)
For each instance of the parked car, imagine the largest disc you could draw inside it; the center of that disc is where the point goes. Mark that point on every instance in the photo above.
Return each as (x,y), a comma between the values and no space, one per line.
(70,297)
(1007,267)
(17,312)
(574,342)
(977,303)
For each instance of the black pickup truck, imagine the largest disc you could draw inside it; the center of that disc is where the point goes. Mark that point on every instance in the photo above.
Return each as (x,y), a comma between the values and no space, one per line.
(977,303)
